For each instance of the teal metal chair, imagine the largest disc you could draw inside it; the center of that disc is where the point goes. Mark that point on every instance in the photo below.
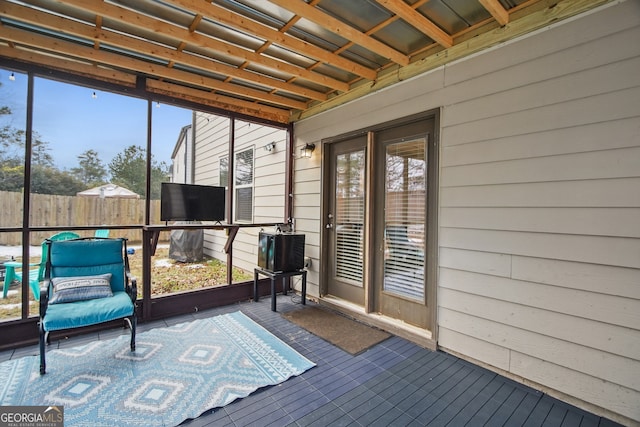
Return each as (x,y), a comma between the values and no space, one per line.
(36,274)
(101,233)
(86,282)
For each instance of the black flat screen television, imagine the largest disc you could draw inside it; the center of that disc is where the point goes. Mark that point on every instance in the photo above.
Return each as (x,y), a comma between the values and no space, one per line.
(190,202)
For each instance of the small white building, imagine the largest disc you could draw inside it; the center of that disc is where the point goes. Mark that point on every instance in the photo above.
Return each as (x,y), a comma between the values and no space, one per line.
(109,191)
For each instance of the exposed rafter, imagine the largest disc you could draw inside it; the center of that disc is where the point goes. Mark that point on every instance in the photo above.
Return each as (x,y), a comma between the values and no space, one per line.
(539,18)
(313,14)
(496,10)
(418,21)
(277,60)
(158,70)
(172,56)
(82,68)
(197,39)
(243,23)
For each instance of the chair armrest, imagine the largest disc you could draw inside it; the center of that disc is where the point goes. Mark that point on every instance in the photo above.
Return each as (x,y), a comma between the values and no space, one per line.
(44,297)
(16,264)
(132,286)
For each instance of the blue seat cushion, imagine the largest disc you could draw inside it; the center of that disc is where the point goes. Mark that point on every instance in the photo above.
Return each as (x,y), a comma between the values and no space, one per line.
(90,312)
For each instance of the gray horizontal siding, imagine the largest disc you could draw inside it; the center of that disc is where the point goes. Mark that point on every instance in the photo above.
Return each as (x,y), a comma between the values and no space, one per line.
(540,213)
(539,238)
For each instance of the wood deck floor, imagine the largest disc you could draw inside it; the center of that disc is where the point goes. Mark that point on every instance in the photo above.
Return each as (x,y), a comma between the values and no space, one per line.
(395,383)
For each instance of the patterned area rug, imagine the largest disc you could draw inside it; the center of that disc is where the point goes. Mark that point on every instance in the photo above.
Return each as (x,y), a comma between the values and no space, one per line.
(176,373)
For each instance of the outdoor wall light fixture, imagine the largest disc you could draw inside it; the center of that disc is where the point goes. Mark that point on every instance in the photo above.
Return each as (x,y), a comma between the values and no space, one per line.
(94,95)
(12,77)
(307,150)
(270,147)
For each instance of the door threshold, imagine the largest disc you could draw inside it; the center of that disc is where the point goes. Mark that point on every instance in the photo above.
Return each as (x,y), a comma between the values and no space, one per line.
(422,337)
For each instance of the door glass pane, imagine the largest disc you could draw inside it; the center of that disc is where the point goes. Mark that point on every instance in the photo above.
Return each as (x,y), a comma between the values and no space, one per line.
(405,192)
(349,216)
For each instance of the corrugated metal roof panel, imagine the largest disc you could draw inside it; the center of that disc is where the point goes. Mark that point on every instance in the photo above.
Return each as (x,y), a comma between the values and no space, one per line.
(301,52)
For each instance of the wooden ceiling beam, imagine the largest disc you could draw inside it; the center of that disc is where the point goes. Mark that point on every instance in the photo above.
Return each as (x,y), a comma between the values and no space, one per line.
(128,17)
(539,18)
(129,80)
(77,29)
(79,68)
(146,68)
(418,21)
(328,22)
(277,37)
(95,59)
(499,13)
(218,101)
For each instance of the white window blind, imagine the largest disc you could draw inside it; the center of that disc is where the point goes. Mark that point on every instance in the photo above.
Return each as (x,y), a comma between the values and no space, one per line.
(405,215)
(244,185)
(349,216)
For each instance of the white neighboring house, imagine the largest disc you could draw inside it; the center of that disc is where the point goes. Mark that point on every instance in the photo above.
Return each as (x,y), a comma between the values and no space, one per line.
(182,157)
(259,188)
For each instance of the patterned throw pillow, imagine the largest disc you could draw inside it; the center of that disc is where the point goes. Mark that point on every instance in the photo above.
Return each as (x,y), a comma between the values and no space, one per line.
(80,288)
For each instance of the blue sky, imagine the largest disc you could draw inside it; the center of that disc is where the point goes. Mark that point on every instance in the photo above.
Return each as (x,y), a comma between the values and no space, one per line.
(72,121)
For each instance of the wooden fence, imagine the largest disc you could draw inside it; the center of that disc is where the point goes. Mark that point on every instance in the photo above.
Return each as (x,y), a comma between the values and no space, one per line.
(50,210)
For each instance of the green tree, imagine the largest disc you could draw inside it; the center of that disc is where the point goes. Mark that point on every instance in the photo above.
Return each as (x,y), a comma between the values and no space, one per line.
(49,180)
(45,177)
(11,177)
(91,171)
(40,155)
(44,180)
(11,155)
(128,169)
(42,168)
(12,142)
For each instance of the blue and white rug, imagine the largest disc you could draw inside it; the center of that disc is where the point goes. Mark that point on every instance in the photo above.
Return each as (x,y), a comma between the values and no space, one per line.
(176,373)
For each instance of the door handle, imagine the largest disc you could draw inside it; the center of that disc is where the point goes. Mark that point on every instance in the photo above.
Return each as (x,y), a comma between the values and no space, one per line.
(329,221)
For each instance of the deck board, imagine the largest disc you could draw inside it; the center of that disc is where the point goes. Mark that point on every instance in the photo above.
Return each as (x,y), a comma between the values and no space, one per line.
(394,383)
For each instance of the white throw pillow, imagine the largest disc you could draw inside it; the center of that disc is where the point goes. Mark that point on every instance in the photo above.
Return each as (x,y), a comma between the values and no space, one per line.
(80,288)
